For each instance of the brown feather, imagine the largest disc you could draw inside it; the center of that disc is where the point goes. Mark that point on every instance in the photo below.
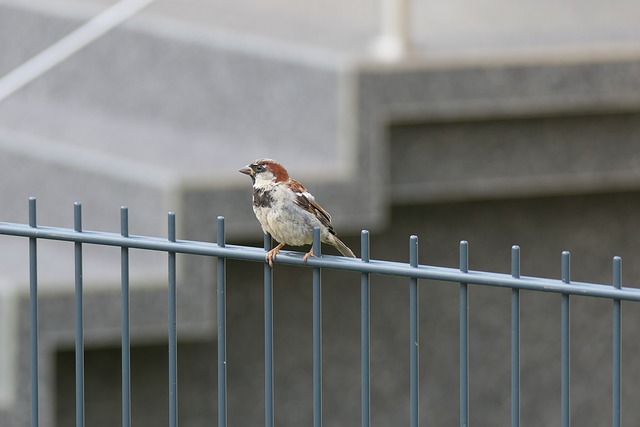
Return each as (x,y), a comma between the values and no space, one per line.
(276,169)
(310,205)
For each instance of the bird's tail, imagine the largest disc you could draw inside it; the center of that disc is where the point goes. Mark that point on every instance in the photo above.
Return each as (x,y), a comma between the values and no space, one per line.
(344,249)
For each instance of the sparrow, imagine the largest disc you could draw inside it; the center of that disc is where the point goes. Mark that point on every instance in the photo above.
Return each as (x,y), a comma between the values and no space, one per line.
(287,211)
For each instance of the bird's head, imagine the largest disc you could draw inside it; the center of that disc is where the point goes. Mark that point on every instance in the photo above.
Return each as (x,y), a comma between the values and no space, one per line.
(265,170)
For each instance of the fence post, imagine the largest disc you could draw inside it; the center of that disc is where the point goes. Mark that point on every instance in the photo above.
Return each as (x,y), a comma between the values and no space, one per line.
(222,328)
(515,339)
(464,338)
(414,343)
(33,314)
(617,345)
(317,334)
(173,339)
(268,337)
(565,344)
(79,318)
(125,322)
(365,348)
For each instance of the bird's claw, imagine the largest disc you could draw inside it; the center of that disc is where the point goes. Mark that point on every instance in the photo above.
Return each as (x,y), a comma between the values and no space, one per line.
(307,255)
(271,255)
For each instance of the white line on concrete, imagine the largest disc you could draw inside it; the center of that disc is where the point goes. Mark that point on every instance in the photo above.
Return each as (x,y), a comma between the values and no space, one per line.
(69,45)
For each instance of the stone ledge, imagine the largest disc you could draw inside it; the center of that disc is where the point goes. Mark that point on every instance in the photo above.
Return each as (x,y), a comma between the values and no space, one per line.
(505,130)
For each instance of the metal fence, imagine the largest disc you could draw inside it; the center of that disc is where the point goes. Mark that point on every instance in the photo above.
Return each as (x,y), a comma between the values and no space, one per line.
(366,266)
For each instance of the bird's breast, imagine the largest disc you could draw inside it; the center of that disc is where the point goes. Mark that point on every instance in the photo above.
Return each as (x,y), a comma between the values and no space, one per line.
(262,198)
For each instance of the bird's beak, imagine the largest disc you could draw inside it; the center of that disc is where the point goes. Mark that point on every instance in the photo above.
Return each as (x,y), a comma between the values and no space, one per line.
(246,170)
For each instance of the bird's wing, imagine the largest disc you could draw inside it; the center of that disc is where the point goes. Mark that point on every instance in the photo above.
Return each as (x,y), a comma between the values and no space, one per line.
(305,200)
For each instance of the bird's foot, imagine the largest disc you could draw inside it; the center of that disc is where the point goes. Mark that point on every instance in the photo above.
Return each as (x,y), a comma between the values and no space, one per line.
(271,255)
(307,255)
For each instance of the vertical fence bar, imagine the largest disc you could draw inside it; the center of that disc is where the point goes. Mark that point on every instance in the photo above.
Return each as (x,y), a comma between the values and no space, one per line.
(173,339)
(617,345)
(565,352)
(79,318)
(515,339)
(268,338)
(33,314)
(464,338)
(365,348)
(222,328)
(124,321)
(413,335)
(317,334)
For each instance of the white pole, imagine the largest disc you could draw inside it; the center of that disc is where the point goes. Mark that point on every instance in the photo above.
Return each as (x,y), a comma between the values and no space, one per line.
(393,41)
(69,45)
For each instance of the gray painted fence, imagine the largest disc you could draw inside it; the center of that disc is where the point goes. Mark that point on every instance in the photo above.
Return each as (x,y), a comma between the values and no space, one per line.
(411,270)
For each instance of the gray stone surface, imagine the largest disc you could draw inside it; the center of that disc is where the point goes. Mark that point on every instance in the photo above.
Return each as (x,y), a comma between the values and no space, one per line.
(506,124)
(440,29)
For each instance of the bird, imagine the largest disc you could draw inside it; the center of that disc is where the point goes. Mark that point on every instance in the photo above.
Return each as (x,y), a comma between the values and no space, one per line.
(287,211)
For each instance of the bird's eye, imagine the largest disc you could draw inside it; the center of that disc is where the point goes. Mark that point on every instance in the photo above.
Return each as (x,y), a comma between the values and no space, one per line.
(259,168)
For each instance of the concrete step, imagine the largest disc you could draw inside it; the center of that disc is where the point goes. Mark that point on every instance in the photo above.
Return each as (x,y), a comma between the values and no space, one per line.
(198,103)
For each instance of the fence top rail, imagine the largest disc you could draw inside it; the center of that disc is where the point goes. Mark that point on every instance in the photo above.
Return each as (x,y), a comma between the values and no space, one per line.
(255,254)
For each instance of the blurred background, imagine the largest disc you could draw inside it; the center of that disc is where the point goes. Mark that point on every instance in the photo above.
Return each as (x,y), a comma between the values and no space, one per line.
(497,122)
